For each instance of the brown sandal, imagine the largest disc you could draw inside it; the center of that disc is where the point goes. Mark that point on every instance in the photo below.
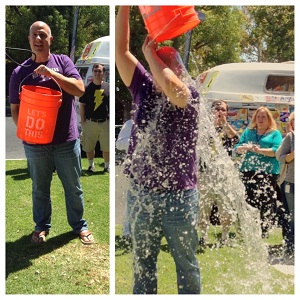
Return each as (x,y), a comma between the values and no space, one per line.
(39,237)
(86,237)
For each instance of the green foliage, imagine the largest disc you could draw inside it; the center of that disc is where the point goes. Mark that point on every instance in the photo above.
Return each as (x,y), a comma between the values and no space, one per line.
(217,39)
(93,22)
(271,32)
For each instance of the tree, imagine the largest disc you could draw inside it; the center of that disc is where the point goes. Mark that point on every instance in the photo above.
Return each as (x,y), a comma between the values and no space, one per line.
(271,33)
(217,40)
(93,23)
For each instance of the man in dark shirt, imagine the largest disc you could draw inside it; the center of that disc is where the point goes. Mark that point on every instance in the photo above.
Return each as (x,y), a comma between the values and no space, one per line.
(94,113)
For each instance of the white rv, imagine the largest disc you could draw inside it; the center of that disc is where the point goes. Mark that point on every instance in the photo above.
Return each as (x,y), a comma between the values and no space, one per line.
(246,86)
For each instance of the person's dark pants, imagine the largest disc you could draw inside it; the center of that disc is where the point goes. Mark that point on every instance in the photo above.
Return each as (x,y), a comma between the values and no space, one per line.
(283,211)
(261,194)
(290,195)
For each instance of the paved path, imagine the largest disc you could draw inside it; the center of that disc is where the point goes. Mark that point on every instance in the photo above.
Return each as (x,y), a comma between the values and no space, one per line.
(286,269)
(14,148)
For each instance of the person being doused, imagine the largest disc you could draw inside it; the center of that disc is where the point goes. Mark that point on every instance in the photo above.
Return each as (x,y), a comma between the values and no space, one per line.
(161,161)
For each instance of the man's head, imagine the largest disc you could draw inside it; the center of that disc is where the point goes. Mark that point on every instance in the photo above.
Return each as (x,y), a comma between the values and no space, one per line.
(172,59)
(98,72)
(40,39)
(219,106)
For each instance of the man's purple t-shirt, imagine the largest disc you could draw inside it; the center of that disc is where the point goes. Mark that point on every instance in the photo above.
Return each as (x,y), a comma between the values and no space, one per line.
(162,150)
(66,125)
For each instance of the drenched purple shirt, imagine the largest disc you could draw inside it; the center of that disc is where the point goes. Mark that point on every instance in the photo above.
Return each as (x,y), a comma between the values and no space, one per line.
(66,125)
(162,149)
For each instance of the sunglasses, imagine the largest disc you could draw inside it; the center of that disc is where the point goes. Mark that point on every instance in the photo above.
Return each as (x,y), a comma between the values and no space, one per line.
(220,109)
(97,71)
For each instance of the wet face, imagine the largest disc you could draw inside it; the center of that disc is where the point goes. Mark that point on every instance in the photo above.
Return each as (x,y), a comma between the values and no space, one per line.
(262,120)
(40,38)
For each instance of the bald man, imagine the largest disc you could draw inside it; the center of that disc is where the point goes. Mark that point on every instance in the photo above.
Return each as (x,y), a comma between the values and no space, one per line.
(55,71)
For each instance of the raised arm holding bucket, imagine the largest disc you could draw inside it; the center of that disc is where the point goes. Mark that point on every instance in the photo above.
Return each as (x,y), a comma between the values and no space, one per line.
(50,82)
(165,64)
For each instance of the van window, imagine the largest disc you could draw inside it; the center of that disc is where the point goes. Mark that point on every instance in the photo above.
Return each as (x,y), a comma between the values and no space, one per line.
(280,83)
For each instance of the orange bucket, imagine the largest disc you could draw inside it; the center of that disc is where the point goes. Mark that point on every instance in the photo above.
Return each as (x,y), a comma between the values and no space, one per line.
(38,113)
(166,22)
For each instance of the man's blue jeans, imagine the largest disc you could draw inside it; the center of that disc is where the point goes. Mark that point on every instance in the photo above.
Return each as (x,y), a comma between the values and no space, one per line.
(66,158)
(173,215)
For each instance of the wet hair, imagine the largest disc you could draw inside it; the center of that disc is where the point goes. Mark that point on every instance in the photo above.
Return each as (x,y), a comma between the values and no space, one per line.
(218,103)
(272,123)
(97,65)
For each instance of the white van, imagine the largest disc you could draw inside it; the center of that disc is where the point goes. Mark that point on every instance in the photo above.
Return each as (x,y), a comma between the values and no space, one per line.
(96,51)
(247,86)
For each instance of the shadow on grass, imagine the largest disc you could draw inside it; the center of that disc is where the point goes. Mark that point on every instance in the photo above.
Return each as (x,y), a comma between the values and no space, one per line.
(99,170)
(86,173)
(18,174)
(21,252)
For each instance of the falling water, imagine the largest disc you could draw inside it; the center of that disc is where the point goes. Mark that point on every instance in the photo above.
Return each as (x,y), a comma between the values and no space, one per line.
(225,180)
(252,273)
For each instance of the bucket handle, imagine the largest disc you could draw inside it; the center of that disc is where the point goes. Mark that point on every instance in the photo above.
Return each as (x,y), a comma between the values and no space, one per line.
(32,74)
(166,26)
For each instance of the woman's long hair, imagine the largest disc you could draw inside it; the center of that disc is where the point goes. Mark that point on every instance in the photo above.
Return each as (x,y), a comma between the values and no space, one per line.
(272,123)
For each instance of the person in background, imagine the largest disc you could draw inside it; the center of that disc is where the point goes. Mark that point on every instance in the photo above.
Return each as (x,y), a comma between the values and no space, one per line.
(63,153)
(209,199)
(161,161)
(122,144)
(286,155)
(94,114)
(259,167)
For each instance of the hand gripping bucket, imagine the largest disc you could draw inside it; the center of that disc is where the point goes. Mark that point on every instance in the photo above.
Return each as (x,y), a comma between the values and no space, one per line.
(166,22)
(38,113)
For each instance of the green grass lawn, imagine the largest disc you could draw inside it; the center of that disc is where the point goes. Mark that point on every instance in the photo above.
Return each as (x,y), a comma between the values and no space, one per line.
(62,265)
(225,270)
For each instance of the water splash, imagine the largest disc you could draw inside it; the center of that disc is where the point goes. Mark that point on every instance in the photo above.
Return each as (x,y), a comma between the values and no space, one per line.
(251,272)
(225,180)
